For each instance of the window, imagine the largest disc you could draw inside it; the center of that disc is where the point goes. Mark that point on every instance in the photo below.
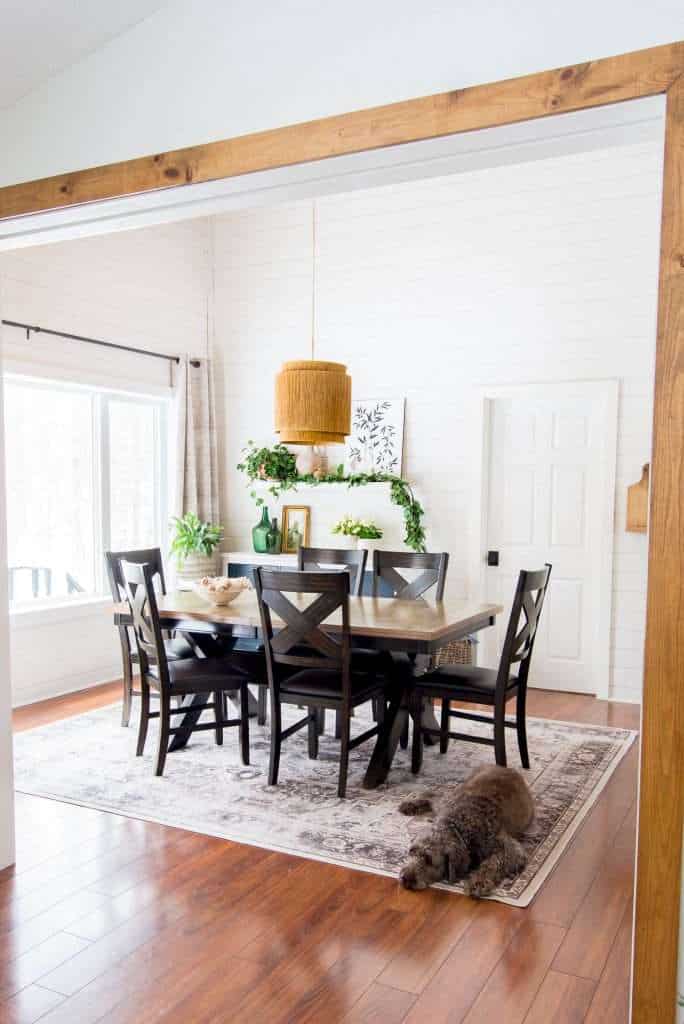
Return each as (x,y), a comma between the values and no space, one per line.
(86,471)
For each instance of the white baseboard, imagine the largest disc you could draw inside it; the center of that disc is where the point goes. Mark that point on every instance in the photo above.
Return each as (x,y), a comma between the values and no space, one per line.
(44,690)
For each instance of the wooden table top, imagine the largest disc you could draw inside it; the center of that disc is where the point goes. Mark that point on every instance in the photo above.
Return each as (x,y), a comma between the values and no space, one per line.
(391,618)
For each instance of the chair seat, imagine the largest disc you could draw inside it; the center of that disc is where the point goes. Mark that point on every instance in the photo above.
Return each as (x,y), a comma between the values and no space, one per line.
(176,649)
(365,659)
(326,684)
(463,682)
(202,675)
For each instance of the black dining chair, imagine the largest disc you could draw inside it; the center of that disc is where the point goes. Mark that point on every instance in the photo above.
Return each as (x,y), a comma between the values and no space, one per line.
(175,646)
(314,559)
(432,573)
(307,665)
(432,569)
(489,687)
(180,678)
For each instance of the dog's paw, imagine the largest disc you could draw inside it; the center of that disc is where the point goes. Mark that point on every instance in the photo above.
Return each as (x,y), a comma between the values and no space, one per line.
(478,888)
(415,805)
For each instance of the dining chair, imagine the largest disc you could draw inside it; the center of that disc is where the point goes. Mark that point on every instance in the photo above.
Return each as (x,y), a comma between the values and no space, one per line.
(306,664)
(490,687)
(176,647)
(432,569)
(181,678)
(313,559)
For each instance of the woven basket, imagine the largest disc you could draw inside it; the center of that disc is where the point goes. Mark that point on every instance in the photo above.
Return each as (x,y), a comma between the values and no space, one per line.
(457,652)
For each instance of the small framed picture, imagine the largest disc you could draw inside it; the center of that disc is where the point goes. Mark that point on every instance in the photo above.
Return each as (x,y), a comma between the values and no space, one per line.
(296,524)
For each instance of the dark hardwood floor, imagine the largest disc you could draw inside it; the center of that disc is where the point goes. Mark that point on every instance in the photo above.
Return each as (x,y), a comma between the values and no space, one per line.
(120,921)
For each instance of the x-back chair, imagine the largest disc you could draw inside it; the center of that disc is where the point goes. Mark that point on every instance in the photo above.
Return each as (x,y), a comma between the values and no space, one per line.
(432,568)
(313,559)
(176,647)
(308,665)
(489,687)
(178,678)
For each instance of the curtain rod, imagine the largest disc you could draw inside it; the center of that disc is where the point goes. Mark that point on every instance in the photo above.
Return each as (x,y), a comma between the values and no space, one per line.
(94,341)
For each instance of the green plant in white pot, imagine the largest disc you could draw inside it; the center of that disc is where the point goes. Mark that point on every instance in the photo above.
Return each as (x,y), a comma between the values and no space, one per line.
(194,544)
(360,530)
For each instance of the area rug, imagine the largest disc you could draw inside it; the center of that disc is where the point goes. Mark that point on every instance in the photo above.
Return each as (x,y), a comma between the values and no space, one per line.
(90,760)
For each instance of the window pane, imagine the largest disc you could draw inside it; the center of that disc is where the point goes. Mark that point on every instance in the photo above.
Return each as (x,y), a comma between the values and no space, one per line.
(50,491)
(133,500)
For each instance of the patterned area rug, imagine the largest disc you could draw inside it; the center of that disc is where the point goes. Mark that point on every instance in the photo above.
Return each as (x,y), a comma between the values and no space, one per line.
(90,760)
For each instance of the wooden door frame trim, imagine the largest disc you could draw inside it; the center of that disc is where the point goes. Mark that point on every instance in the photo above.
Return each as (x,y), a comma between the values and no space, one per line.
(578,87)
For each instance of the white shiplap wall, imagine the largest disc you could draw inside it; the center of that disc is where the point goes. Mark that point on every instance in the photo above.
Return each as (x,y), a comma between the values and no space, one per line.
(149,289)
(431,290)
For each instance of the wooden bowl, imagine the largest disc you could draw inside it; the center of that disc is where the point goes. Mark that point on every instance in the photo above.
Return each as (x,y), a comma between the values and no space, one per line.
(222,595)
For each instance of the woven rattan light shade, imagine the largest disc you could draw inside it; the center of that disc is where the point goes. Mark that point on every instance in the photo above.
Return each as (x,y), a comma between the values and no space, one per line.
(313,402)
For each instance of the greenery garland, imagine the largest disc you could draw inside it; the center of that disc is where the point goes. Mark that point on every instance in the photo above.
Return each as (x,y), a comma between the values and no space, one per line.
(277,466)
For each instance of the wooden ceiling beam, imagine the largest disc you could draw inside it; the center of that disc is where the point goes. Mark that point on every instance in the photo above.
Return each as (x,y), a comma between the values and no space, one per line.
(576,87)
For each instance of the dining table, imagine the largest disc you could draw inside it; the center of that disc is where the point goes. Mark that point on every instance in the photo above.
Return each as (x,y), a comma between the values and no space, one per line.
(415,628)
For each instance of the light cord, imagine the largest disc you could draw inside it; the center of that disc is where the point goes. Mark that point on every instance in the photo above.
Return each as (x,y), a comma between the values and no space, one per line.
(313,276)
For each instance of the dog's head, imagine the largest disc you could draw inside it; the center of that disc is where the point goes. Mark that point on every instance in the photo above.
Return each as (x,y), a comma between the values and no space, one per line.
(426,863)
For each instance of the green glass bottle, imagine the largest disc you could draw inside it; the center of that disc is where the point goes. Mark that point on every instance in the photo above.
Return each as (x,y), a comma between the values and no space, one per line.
(274,537)
(260,533)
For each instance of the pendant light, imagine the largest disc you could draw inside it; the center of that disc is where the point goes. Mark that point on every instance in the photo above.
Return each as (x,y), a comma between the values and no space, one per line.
(313,397)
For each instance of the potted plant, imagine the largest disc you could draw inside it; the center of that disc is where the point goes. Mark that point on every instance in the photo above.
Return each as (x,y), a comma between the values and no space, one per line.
(194,544)
(360,530)
(276,465)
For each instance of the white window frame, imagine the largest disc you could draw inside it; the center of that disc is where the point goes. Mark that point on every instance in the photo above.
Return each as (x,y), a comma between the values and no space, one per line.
(100,422)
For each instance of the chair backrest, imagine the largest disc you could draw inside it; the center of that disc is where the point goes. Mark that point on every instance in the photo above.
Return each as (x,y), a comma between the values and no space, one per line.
(433,572)
(311,559)
(522,624)
(117,584)
(138,580)
(301,641)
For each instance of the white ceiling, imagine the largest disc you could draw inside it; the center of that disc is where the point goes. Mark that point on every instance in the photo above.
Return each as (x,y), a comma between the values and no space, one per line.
(41,37)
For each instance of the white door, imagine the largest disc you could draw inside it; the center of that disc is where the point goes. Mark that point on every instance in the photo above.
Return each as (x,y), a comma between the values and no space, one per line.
(550,498)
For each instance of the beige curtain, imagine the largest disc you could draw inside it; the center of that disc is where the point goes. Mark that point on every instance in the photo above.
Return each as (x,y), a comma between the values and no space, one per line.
(197,461)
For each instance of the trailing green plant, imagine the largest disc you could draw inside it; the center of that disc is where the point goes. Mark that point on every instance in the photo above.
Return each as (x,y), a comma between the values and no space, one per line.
(193,536)
(269,463)
(277,465)
(364,529)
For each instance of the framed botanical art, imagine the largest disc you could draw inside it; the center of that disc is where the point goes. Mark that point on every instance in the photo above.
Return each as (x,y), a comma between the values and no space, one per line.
(296,527)
(376,442)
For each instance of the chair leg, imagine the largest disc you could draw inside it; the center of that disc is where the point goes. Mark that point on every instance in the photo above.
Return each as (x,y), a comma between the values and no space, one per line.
(444,727)
(380,708)
(276,741)
(500,736)
(244,724)
(338,725)
(144,718)
(521,727)
(417,745)
(321,721)
(404,738)
(344,753)
(261,706)
(164,724)
(218,717)
(312,730)
(127,692)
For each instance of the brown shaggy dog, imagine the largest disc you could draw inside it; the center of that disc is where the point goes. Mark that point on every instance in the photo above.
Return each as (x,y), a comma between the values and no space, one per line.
(474,833)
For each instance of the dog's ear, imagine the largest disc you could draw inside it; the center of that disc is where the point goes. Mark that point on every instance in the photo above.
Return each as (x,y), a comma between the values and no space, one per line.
(422,850)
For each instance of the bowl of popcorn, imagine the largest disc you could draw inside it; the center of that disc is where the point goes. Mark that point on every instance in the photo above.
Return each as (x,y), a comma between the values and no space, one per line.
(221,589)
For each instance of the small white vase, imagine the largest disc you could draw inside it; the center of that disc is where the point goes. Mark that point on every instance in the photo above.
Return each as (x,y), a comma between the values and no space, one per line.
(193,568)
(306,460)
(362,544)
